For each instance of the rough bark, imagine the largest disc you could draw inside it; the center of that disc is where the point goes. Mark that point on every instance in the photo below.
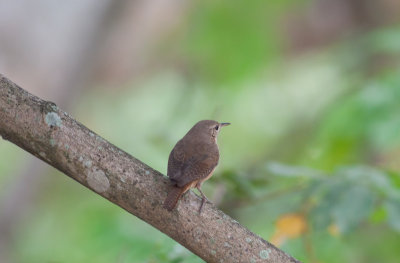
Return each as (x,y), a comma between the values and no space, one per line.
(53,136)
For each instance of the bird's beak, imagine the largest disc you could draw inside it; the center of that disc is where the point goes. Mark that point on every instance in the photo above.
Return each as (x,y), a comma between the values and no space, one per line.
(224,124)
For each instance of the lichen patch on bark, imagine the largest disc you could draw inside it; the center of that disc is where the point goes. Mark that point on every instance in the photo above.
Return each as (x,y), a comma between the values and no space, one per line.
(98,180)
(53,120)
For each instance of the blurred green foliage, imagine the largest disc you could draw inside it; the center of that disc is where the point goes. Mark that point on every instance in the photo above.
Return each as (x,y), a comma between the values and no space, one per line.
(228,42)
(317,135)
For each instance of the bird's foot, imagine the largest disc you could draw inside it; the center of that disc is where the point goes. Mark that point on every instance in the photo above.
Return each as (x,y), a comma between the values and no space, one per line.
(203,200)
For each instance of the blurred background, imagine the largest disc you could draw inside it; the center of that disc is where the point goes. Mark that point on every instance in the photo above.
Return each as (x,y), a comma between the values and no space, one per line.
(311,87)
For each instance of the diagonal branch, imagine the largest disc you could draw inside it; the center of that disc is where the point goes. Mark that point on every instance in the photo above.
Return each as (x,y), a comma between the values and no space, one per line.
(53,136)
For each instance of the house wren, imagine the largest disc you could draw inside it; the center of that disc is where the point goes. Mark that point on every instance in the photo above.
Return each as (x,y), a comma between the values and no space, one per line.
(193,160)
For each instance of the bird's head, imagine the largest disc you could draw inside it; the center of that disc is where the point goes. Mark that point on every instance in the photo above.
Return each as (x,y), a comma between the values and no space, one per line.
(207,128)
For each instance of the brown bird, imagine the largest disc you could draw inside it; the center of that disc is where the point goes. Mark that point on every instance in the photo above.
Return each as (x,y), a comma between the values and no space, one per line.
(193,160)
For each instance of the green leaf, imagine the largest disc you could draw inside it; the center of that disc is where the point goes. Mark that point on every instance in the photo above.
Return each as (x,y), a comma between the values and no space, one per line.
(330,191)
(354,206)
(379,215)
(393,213)
(321,217)
(374,179)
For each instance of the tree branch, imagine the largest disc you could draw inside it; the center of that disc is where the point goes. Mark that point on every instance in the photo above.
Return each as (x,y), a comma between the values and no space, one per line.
(53,136)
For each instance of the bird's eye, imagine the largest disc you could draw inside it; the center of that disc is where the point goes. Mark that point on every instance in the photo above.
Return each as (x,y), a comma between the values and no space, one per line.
(217,127)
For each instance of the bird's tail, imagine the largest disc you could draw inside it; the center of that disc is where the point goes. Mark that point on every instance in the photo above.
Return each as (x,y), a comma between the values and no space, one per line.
(173,197)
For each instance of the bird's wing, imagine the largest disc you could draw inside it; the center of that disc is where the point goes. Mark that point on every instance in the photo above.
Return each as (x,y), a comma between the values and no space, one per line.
(188,163)
(197,169)
(176,161)
(200,161)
